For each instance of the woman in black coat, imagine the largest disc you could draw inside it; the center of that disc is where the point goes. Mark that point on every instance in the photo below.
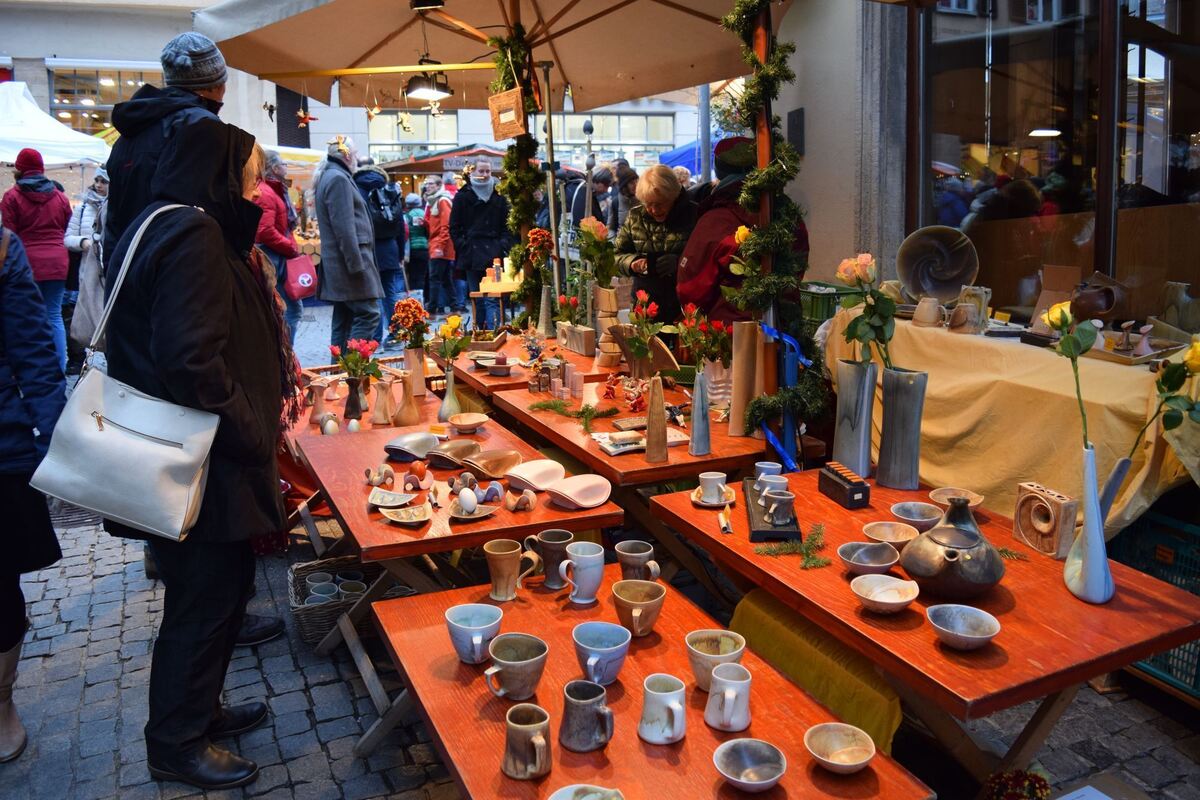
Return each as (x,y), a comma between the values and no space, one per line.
(196,323)
(32,395)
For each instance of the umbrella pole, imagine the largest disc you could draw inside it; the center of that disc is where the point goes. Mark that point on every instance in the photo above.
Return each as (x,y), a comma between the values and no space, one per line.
(550,167)
(763,136)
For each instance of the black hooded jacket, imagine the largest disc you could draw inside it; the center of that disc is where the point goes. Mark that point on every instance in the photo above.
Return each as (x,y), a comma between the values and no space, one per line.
(147,123)
(193,324)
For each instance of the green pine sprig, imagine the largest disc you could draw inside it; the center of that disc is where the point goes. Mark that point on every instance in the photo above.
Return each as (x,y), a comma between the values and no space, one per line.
(585,415)
(807,548)
(1011,555)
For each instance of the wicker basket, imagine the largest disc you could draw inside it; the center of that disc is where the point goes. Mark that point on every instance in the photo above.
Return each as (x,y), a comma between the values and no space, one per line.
(315,622)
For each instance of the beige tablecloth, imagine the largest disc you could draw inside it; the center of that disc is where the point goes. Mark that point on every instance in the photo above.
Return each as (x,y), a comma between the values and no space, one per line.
(998,412)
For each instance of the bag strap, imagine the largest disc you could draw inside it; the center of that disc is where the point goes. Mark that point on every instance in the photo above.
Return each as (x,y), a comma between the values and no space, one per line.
(116,289)
(5,235)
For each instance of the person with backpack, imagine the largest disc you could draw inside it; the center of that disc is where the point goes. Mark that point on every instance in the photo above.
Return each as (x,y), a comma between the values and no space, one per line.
(386,206)
(418,246)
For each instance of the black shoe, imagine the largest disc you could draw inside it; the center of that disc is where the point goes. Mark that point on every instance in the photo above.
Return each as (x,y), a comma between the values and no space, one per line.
(258,629)
(148,564)
(210,768)
(235,720)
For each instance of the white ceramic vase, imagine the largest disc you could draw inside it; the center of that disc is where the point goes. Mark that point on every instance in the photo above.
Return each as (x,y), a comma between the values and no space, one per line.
(1086,571)
(720,383)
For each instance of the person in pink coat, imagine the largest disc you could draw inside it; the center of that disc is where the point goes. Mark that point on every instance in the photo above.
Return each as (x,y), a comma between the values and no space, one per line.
(37,210)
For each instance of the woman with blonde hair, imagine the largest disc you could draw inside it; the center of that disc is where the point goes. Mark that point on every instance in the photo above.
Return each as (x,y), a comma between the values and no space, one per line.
(652,239)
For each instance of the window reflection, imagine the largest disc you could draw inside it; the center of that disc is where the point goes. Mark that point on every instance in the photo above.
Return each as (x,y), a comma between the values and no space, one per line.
(84,98)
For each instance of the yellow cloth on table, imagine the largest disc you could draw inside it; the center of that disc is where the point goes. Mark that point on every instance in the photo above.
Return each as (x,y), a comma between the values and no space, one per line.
(836,676)
(999,412)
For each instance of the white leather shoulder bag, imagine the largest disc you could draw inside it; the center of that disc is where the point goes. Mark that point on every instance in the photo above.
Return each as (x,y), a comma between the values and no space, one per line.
(129,457)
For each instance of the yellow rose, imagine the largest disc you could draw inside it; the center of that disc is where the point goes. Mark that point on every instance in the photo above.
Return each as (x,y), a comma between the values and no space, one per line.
(454,321)
(1192,358)
(1058,316)
(864,268)
(445,331)
(743,233)
(847,272)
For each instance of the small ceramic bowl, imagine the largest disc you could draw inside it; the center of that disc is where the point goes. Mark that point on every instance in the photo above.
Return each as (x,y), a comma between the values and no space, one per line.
(884,594)
(962,627)
(868,558)
(897,534)
(921,516)
(468,422)
(586,791)
(839,747)
(942,496)
(751,765)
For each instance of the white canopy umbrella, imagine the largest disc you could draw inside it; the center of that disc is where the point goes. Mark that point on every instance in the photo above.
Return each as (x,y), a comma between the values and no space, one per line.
(24,124)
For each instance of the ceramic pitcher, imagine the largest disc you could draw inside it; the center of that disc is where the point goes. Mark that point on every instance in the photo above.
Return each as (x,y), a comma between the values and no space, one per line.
(728,707)
(526,742)
(664,717)
(587,720)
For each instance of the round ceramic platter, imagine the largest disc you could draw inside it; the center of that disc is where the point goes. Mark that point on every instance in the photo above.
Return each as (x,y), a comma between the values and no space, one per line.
(411,446)
(412,515)
(536,475)
(382,498)
(586,791)
(730,498)
(942,496)
(581,491)
(451,454)
(481,512)
(467,422)
(500,370)
(492,464)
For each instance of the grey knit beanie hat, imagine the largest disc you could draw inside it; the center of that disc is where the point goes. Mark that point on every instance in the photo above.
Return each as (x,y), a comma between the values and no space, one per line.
(192,61)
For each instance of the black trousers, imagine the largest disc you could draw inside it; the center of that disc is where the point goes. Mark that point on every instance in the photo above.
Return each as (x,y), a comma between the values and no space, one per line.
(207,587)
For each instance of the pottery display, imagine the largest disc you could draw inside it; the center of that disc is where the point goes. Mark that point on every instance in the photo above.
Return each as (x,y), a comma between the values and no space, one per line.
(378,477)
(664,709)
(472,626)
(855,407)
(884,594)
(929,313)
(770,483)
(409,515)
(414,365)
(551,546)
(408,412)
(493,492)
(451,454)
(525,501)
(411,446)
(839,747)
(656,424)
(897,534)
(467,423)
(499,370)
(921,516)
(862,558)
(953,559)
(700,440)
(638,604)
(583,568)
(1045,519)
(492,464)
(900,437)
(728,707)
(518,660)
(781,508)
(942,496)
(750,765)
(382,498)
(450,405)
(355,405)
(719,381)
(962,627)
(706,648)
(728,497)
(979,298)
(1086,569)
(936,261)
(587,723)
(537,475)
(316,398)
(464,480)
(637,560)
(385,402)
(763,469)
(581,491)
(600,649)
(526,742)
(504,557)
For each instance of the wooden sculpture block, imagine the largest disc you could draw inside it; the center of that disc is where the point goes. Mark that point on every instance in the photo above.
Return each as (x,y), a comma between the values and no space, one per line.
(1044,519)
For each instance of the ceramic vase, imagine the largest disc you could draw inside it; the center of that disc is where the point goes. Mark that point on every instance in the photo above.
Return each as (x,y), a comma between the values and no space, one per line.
(720,382)
(316,391)
(1112,486)
(354,399)
(900,442)
(407,413)
(1086,570)
(385,402)
(745,347)
(639,368)
(855,406)
(450,405)
(545,325)
(700,444)
(414,362)
(656,423)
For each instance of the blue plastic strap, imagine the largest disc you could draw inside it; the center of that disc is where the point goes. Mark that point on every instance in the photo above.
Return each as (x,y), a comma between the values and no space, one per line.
(789,463)
(788,340)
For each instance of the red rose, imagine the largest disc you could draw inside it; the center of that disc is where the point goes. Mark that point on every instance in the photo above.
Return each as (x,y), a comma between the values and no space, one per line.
(643,296)
(574,302)
(703,326)
(718,326)
(653,309)
(690,309)
(562,299)
(335,351)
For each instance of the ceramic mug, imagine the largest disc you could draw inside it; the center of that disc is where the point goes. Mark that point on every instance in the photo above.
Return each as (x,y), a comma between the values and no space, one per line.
(965,318)
(782,508)
(587,722)
(728,706)
(664,717)
(929,313)
(763,468)
(517,663)
(329,590)
(504,565)
(600,648)
(351,589)
(344,575)
(317,600)
(981,298)
(638,604)
(317,578)
(637,560)
(585,562)
(526,742)
(472,627)
(712,487)
(771,483)
(551,545)
(707,648)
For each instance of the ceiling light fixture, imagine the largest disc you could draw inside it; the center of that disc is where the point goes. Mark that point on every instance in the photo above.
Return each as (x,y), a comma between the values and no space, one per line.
(64,115)
(427,86)
(1045,133)
(107,82)
(425,5)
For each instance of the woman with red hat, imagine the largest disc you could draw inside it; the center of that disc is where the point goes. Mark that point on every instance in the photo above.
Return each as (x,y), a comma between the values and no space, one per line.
(38,211)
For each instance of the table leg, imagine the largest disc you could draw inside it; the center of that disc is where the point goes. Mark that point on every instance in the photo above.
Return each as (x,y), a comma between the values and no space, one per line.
(401,709)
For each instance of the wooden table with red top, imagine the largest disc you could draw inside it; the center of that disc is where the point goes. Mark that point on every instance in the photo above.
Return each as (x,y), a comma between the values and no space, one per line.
(487,385)
(467,722)
(1050,642)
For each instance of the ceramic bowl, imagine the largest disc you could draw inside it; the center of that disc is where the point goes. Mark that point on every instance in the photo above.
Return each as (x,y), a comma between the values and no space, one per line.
(921,516)
(839,747)
(897,534)
(580,491)
(409,515)
(586,791)
(962,627)
(500,370)
(411,446)
(942,496)
(884,594)
(451,454)
(467,422)
(751,765)
(382,498)
(868,558)
(492,464)
(536,475)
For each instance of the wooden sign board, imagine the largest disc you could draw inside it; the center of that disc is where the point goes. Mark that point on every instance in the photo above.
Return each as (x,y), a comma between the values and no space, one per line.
(508,114)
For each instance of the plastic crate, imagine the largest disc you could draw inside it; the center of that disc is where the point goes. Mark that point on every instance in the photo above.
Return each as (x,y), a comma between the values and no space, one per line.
(820,300)
(1169,550)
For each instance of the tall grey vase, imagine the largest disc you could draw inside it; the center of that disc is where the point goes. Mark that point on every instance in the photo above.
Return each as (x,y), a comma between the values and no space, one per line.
(545,325)
(701,441)
(855,407)
(900,443)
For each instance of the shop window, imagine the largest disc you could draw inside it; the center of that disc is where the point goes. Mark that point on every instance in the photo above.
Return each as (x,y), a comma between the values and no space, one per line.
(395,134)
(84,98)
(957,6)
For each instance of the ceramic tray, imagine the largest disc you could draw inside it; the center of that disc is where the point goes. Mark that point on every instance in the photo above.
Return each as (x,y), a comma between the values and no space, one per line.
(536,475)
(729,499)
(382,498)
(411,446)
(761,530)
(481,512)
(1159,348)
(491,345)
(411,515)
(450,454)
(492,464)
(580,491)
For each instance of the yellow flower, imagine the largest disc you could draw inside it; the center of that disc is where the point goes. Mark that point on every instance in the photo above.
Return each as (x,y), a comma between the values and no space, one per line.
(1058,316)
(454,322)
(743,233)
(864,268)
(847,272)
(445,331)
(1192,358)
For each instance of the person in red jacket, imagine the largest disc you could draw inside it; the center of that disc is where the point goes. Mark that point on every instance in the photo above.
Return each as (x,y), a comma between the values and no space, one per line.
(37,211)
(274,235)
(442,293)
